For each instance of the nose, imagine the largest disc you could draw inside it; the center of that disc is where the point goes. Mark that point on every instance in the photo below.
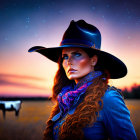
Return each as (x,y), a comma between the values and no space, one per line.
(69,62)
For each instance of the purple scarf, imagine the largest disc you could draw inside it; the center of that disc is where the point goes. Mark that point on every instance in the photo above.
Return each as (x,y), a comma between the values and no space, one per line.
(69,96)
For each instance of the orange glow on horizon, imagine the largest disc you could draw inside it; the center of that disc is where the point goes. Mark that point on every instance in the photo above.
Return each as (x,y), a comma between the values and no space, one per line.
(33,64)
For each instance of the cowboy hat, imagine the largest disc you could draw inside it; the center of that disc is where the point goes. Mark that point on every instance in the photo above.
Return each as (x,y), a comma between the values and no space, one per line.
(84,35)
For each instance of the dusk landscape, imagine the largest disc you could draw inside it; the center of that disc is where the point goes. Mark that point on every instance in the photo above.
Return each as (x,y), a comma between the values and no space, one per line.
(28,23)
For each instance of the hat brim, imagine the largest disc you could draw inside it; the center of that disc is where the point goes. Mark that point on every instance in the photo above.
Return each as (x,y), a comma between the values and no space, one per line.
(116,68)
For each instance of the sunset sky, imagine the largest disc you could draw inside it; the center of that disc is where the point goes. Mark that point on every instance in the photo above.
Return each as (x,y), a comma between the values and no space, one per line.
(27,23)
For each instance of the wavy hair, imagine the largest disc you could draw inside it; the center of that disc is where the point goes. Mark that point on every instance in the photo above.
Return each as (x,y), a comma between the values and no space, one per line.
(86,112)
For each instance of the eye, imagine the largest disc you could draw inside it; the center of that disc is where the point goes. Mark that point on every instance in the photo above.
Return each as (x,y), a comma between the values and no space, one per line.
(77,54)
(64,57)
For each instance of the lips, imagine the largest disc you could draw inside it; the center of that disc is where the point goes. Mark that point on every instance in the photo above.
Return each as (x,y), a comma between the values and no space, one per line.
(71,70)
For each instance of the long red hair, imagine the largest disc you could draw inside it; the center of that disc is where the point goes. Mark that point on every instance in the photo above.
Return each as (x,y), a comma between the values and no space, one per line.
(86,112)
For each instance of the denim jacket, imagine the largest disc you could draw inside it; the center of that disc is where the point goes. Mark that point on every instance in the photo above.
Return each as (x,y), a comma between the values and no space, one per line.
(112,123)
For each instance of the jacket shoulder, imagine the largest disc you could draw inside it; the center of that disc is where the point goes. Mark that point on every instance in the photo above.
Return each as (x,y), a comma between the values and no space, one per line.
(113,91)
(113,97)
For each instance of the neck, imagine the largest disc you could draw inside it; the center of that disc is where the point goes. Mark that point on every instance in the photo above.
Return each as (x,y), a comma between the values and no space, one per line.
(77,80)
(87,78)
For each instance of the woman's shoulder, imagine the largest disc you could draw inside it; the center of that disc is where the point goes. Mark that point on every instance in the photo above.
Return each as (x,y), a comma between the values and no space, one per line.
(116,116)
(112,92)
(113,97)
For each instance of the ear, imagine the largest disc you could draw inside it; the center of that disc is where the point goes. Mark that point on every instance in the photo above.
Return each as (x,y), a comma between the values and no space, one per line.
(94,60)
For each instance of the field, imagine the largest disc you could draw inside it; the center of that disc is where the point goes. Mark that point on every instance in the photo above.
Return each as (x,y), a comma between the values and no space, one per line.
(33,114)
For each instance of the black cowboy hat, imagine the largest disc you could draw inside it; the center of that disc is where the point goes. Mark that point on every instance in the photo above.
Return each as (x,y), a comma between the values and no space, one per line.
(84,35)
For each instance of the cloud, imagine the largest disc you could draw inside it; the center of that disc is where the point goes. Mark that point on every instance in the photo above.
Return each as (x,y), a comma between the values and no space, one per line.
(15,80)
(17,84)
(26,77)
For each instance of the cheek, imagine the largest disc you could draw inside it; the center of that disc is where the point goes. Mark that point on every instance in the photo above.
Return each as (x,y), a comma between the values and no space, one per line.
(64,64)
(83,63)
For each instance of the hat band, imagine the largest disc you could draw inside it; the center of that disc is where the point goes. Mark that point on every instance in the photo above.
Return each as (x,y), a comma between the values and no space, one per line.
(77,42)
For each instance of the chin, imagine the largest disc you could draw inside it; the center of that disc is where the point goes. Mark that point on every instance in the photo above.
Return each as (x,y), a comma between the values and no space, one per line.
(73,77)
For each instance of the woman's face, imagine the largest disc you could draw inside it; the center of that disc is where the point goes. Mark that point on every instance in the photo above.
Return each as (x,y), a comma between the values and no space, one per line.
(77,63)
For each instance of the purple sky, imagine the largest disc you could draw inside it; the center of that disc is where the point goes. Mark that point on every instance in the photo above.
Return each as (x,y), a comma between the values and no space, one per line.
(28,23)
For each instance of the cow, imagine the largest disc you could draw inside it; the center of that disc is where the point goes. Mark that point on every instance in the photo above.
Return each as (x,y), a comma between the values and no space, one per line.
(10,106)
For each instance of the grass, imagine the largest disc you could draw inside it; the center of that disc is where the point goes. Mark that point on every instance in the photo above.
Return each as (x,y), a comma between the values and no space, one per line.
(33,115)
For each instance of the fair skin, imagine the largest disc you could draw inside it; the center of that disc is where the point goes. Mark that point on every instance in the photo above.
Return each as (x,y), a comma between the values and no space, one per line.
(77,63)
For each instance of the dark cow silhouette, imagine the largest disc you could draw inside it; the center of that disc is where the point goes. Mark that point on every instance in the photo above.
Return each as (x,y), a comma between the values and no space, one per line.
(10,106)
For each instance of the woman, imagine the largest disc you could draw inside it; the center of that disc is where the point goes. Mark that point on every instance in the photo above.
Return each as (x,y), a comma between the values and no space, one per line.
(86,107)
